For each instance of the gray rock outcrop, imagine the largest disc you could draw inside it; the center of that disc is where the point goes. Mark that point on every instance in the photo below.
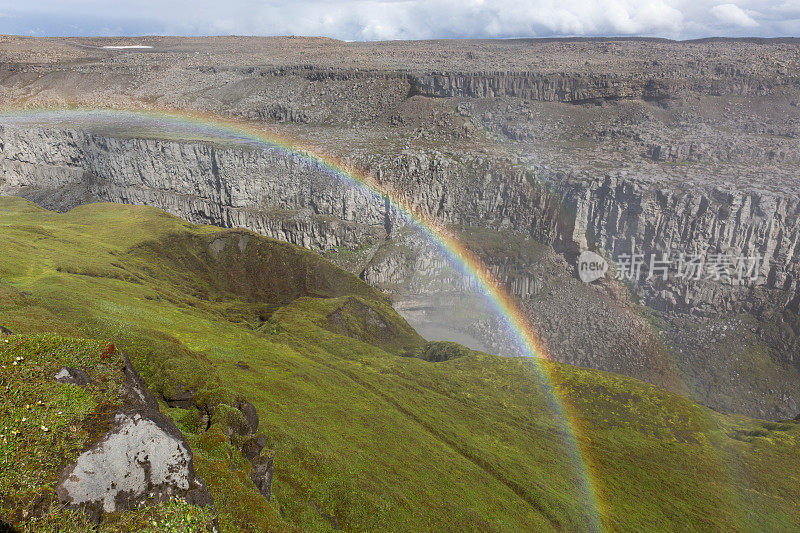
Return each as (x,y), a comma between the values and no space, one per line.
(263,470)
(68,374)
(140,458)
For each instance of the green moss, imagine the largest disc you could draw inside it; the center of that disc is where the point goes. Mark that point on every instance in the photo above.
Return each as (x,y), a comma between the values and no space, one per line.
(239,505)
(230,420)
(439,351)
(175,516)
(188,421)
(375,323)
(180,374)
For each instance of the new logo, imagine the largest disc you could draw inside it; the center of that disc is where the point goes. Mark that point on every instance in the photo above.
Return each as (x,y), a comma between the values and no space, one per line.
(591,266)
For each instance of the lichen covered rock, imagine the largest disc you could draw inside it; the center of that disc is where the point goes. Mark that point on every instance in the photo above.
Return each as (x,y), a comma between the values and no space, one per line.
(140,458)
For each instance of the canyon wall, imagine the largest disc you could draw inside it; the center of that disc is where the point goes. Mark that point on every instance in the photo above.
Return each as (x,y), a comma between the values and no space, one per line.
(576,88)
(284,196)
(629,216)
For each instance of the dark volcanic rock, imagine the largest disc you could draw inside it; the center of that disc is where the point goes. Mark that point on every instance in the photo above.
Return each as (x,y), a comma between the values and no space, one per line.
(142,457)
(250,414)
(252,447)
(263,469)
(183,399)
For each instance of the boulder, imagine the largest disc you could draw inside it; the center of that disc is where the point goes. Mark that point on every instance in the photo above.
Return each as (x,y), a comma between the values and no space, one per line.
(263,469)
(68,374)
(252,447)
(183,399)
(140,458)
(250,414)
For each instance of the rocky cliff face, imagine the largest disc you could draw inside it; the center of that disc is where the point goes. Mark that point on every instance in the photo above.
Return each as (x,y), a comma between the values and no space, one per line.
(270,191)
(624,216)
(578,88)
(275,194)
(285,197)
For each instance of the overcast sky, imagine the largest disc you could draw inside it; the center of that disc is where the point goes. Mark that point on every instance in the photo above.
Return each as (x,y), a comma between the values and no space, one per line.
(404,19)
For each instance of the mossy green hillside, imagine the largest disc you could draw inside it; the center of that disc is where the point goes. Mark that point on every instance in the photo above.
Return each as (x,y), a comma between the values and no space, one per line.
(363,438)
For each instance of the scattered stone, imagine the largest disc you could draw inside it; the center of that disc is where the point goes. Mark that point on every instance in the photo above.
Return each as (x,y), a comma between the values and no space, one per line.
(76,376)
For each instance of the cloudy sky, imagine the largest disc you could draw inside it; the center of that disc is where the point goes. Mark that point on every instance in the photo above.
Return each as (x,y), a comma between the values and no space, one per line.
(404,19)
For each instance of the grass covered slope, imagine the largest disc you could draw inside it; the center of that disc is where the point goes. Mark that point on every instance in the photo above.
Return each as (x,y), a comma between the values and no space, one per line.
(363,438)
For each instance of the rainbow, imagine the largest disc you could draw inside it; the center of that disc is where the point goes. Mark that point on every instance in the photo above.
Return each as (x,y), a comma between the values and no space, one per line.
(461,257)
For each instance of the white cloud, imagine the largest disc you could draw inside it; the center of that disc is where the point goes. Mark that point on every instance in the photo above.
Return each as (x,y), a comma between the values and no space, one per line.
(410,19)
(733,14)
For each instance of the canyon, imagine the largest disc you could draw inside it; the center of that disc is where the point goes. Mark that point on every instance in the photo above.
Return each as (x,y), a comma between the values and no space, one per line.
(637,147)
